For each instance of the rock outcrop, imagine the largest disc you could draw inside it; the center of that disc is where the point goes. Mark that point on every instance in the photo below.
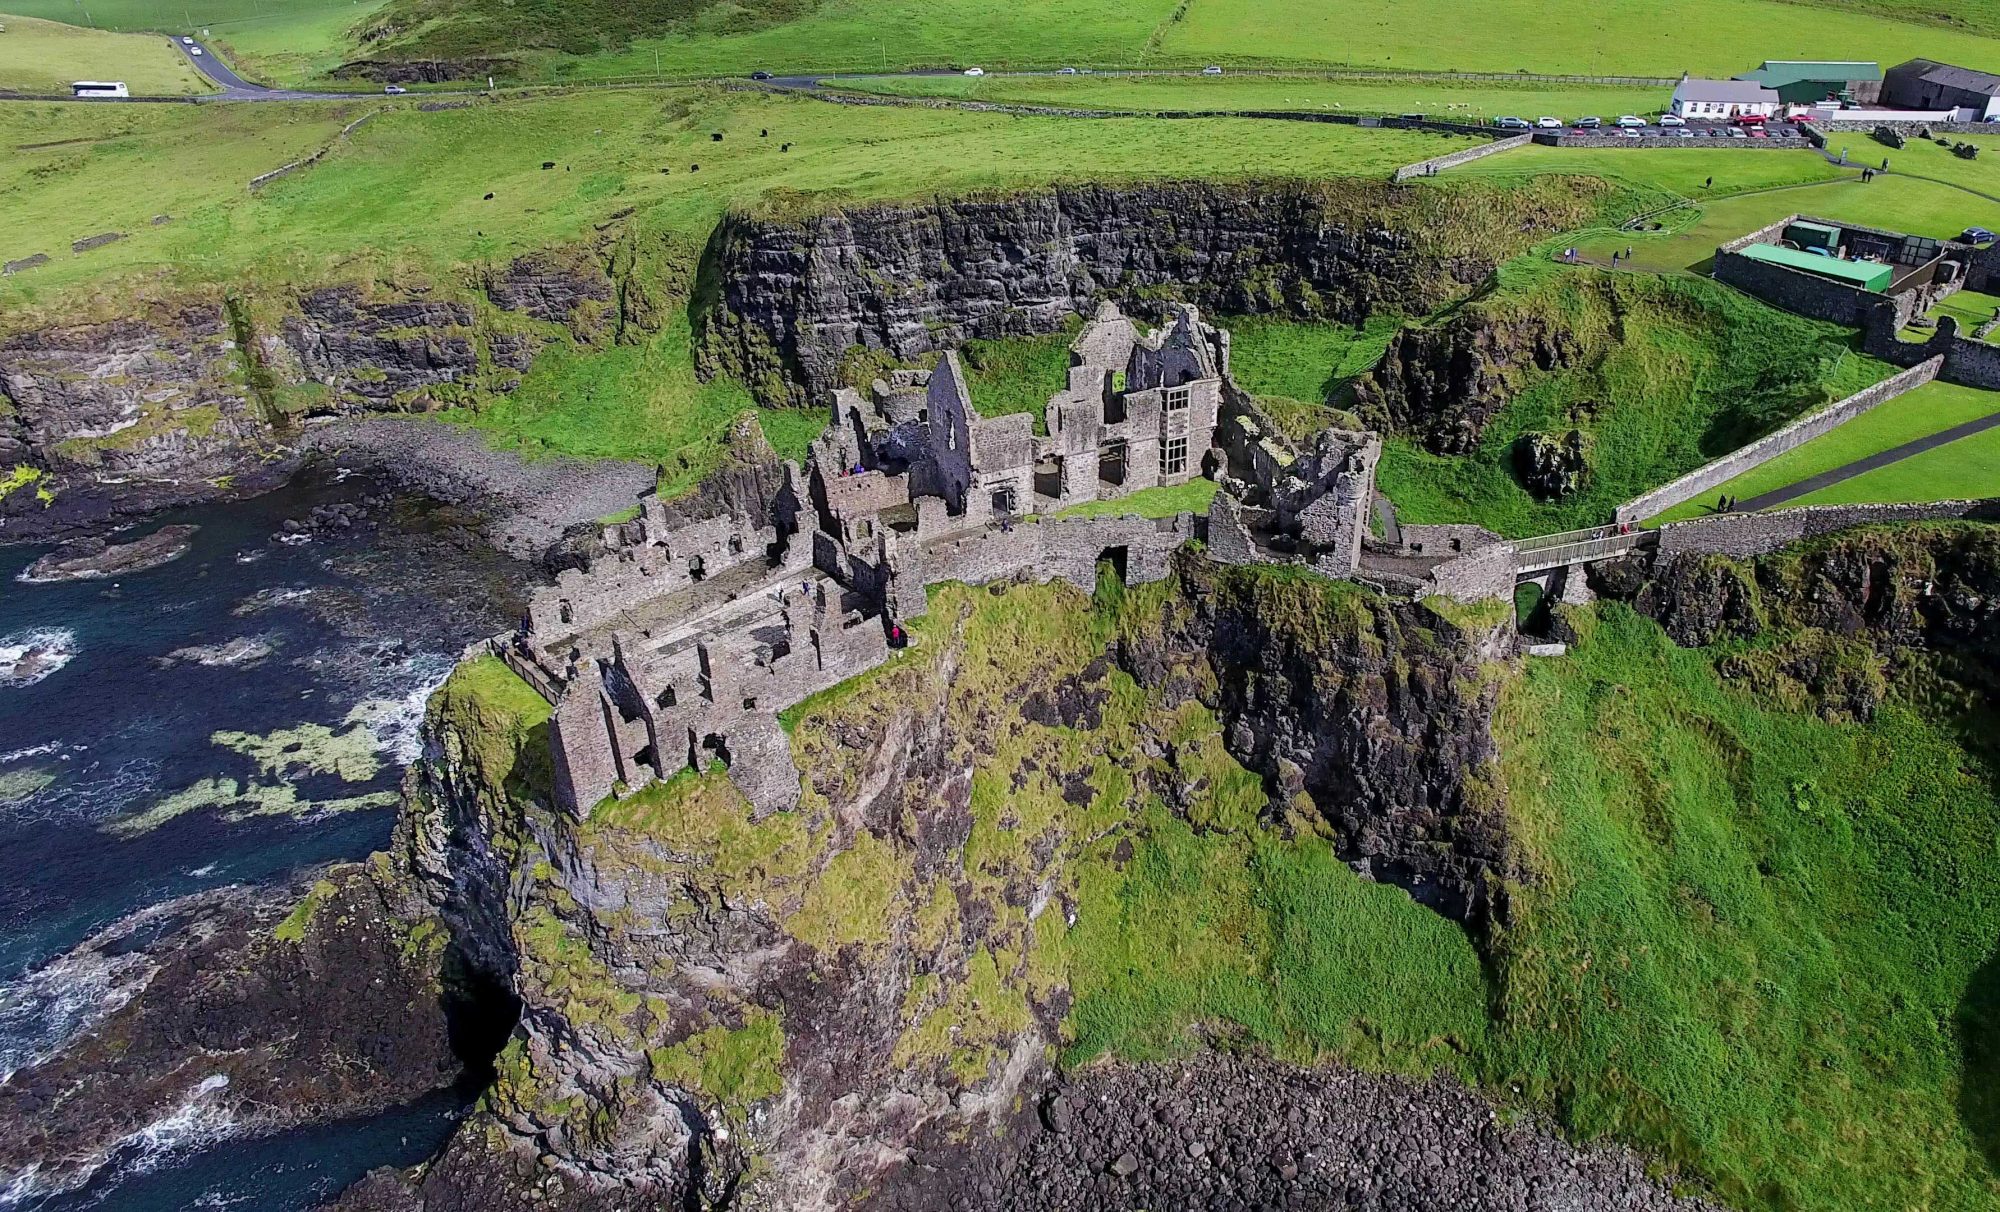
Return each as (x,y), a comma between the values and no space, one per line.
(1441,383)
(1374,715)
(202,395)
(792,296)
(244,1012)
(92,558)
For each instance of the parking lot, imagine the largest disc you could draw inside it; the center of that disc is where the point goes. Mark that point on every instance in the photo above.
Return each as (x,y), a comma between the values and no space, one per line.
(1694,129)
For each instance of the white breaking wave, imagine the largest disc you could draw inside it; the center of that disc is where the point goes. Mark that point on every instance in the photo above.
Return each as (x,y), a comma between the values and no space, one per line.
(193,1125)
(26,657)
(15,755)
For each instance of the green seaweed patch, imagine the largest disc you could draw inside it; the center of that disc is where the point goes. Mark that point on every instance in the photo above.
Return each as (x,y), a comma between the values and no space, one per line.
(300,919)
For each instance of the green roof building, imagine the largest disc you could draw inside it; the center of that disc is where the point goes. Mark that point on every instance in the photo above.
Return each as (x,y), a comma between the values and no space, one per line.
(1804,81)
(1868,275)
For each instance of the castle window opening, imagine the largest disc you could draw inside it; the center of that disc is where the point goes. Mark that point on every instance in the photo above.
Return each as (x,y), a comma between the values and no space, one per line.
(1003,500)
(750,703)
(695,569)
(667,697)
(564,611)
(1173,456)
(1177,398)
(1114,408)
(736,544)
(1111,462)
(923,416)
(1048,479)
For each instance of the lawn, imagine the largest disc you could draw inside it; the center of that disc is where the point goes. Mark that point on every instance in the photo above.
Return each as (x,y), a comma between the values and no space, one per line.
(1605,37)
(1750,189)
(1294,367)
(1458,101)
(290,44)
(1668,373)
(46,56)
(1970,308)
(1934,406)
(1966,469)
(1159,502)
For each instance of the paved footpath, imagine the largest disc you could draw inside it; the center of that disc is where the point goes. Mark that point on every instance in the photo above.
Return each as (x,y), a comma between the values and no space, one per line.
(1894,454)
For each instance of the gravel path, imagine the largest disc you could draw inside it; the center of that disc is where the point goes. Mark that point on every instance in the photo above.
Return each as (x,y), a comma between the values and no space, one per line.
(528,503)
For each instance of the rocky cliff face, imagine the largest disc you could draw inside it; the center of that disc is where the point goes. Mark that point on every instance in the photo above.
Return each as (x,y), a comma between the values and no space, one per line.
(199,395)
(792,296)
(1375,715)
(822,1008)
(1852,612)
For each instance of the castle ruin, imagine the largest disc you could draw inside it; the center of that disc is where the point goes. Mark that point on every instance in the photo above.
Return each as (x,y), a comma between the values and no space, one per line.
(677,647)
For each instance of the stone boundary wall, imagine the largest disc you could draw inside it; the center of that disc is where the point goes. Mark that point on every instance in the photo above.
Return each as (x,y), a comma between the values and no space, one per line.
(1771,445)
(1549,138)
(1744,535)
(1968,361)
(263,179)
(1864,125)
(1048,549)
(1435,164)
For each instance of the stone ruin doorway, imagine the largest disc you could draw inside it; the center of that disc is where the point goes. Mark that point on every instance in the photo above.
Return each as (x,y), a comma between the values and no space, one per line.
(717,746)
(1048,479)
(1111,463)
(1115,558)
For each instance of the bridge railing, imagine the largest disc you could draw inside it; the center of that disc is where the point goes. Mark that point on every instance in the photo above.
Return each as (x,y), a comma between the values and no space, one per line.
(1579,546)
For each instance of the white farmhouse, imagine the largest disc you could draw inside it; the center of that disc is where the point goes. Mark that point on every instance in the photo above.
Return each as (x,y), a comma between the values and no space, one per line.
(1723,98)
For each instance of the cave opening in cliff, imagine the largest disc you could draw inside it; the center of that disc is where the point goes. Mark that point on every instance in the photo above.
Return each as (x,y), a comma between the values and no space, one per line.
(481,1012)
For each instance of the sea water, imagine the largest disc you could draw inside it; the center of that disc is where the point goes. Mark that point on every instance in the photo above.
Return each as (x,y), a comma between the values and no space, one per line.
(130,776)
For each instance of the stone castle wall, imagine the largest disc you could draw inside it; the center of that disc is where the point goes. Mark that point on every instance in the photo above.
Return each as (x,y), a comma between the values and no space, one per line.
(1753,534)
(1437,164)
(1770,446)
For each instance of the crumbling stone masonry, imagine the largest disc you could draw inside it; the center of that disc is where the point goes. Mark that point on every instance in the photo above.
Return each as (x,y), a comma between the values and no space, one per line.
(679,645)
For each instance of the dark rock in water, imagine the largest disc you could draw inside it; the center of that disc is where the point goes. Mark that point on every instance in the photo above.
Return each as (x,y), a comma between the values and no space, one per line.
(244,650)
(1552,465)
(255,1015)
(96,558)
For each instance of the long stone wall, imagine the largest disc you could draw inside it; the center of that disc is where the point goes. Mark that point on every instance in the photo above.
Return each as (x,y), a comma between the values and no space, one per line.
(1754,534)
(1771,445)
(1967,361)
(1437,164)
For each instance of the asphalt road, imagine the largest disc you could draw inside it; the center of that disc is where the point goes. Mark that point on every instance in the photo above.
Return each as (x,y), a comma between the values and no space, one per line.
(235,87)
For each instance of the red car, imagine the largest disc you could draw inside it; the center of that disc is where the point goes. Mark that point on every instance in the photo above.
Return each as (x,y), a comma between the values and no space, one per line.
(1757,132)
(1748,119)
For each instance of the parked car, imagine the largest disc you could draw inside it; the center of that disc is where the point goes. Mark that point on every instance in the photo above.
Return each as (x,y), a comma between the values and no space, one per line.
(1511,123)
(760,75)
(1748,119)
(1629,121)
(1736,132)
(1065,71)
(1977,235)
(1800,119)
(1211,70)
(1548,123)
(1629,134)
(1684,133)
(1672,120)
(975,71)
(1757,132)
(1590,123)
(394,90)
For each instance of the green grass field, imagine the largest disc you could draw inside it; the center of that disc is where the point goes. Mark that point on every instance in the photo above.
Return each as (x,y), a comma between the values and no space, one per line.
(1294,368)
(1934,406)
(1453,100)
(1610,37)
(1760,935)
(1971,309)
(406,193)
(45,57)
(1966,469)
